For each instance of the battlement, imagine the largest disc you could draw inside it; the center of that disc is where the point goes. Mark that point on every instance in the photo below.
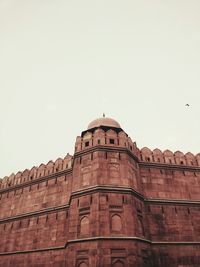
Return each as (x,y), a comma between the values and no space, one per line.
(109,204)
(168,157)
(105,137)
(37,172)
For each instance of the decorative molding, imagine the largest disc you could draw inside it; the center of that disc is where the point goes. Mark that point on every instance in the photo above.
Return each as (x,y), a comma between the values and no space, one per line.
(95,189)
(33,214)
(102,238)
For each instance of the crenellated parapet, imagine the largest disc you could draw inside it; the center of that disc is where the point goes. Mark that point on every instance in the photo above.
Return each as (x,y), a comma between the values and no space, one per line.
(110,204)
(168,157)
(103,136)
(37,172)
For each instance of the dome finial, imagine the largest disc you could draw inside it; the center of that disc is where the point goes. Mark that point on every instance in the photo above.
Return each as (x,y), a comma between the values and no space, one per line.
(104,115)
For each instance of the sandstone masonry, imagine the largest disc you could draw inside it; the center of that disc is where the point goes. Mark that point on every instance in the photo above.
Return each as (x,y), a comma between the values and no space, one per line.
(110,204)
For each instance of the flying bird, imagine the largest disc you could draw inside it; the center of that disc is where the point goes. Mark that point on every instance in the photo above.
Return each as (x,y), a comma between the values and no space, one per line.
(187,105)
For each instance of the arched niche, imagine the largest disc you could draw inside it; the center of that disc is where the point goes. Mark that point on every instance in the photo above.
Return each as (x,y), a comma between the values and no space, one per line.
(116,223)
(84,226)
(118,263)
(82,264)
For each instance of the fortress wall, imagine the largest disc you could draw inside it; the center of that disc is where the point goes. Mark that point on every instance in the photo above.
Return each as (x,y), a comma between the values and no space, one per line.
(173,255)
(42,195)
(35,232)
(106,253)
(109,253)
(170,183)
(55,258)
(84,217)
(172,222)
(106,214)
(168,157)
(37,172)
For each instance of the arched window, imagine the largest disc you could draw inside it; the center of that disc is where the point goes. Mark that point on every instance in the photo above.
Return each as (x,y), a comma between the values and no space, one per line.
(116,223)
(118,264)
(84,226)
(83,264)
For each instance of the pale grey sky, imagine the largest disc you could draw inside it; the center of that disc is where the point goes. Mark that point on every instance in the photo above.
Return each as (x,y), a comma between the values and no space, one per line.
(64,63)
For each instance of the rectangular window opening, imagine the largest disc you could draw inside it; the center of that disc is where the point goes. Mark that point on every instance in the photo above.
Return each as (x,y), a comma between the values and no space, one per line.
(112,141)
(87,144)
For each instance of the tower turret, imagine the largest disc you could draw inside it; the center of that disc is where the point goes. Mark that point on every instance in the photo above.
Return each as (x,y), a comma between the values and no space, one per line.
(101,156)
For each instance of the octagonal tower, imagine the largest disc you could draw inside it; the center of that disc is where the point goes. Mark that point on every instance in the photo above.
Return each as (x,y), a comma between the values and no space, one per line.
(105,179)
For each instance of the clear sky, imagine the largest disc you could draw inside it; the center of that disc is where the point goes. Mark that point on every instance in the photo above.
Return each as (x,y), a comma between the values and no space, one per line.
(64,63)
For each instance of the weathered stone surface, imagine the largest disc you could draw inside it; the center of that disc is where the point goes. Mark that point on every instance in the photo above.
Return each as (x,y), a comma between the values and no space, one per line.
(110,204)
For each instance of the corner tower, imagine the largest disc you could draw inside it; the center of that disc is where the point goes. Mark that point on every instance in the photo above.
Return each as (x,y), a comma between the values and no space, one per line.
(105,217)
(105,155)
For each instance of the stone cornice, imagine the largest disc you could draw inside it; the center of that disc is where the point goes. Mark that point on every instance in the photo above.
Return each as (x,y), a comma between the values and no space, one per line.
(34,213)
(129,190)
(111,189)
(102,238)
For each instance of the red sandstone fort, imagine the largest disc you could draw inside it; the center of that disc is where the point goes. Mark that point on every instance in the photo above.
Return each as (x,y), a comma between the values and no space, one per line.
(111,204)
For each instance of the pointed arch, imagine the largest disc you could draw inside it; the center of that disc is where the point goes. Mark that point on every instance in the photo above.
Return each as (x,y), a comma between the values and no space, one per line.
(169,157)
(49,167)
(87,136)
(158,155)
(58,165)
(190,158)
(112,133)
(82,264)
(84,226)
(198,159)
(116,223)
(179,157)
(118,263)
(146,154)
